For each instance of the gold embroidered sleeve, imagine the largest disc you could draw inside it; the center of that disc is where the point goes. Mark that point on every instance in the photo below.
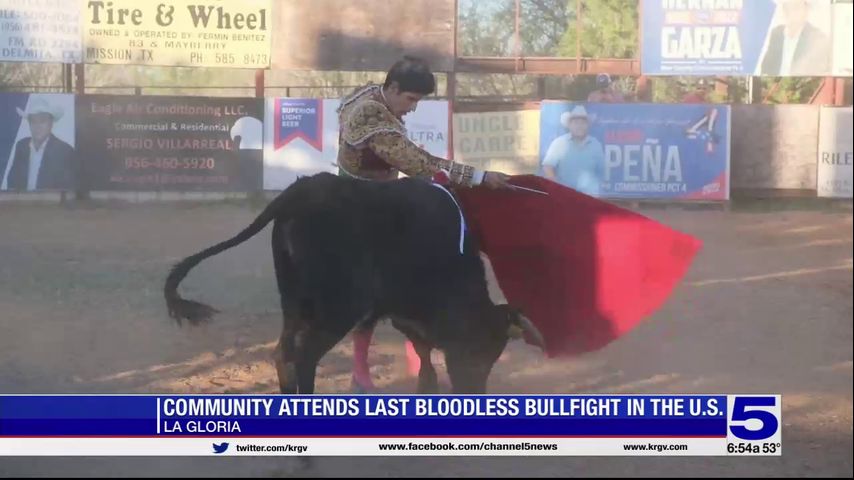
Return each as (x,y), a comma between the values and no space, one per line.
(407,157)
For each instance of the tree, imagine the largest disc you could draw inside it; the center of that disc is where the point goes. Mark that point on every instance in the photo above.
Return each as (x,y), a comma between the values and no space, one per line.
(789,90)
(609,29)
(485,30)
(547,28)
(26,76)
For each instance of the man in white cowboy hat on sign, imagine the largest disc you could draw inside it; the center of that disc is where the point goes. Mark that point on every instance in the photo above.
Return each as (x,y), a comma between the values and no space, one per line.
(41,161)
(575,159)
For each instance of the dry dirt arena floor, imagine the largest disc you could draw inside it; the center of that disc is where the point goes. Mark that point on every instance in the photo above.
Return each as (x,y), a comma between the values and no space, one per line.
(766,308)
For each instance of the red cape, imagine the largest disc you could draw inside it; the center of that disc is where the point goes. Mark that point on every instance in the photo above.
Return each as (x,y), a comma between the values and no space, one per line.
(583,270)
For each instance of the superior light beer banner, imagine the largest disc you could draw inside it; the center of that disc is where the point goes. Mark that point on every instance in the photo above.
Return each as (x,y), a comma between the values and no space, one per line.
(208,33)
(322,425)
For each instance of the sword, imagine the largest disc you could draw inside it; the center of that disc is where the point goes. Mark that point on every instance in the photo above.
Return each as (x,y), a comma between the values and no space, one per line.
(517,187)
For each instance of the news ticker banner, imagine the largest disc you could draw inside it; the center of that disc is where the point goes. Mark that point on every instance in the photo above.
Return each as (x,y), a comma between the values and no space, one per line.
(737,37)
(640,151)
(171,143)
(322,425)
(40,31)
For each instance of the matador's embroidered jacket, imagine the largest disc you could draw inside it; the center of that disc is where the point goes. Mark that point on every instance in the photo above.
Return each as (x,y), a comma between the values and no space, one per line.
(373,144)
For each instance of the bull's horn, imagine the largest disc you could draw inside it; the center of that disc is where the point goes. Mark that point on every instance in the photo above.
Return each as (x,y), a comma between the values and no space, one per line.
(528,327)
(514,331)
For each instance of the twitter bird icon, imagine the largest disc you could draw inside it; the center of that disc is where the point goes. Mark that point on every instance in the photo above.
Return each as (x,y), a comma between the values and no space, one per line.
(221,448)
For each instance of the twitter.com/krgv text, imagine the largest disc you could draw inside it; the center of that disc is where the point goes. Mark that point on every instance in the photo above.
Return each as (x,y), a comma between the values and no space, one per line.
(225,447)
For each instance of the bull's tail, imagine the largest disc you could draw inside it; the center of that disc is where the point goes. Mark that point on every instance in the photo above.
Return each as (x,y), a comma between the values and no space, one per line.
(196,312)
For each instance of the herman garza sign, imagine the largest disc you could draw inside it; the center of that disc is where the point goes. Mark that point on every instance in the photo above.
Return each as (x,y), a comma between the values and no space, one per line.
(211,33)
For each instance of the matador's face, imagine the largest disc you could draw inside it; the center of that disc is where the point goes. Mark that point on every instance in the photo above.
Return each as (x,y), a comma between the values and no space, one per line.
(401,102)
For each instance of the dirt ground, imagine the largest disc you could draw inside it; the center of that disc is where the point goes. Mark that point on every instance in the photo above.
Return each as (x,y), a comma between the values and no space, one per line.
(766,308)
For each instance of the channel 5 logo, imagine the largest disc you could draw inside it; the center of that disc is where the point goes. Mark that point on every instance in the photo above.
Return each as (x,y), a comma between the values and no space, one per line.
(754,417)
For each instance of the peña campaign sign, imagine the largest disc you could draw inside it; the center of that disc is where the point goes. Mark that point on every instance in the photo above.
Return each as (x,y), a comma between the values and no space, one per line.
(637,151)
(171,143)
(736,37)
(40,31)
(209,33)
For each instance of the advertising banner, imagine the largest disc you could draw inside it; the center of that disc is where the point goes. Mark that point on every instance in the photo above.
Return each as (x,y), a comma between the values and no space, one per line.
(171,143)
(40,31)
(637,150)
(736,37)
(208,33)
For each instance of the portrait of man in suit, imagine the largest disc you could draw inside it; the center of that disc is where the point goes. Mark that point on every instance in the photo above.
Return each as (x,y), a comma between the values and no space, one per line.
(796,47)
(41,161)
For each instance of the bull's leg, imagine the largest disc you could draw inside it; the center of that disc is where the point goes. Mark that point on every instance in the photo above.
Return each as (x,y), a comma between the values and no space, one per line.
(311,346)
(428,381)
(413,361)
(284,355)
(284,359)
(362,334)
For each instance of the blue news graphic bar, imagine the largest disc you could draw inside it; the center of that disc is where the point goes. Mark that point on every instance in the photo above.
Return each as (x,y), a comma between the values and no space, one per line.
(61,415)
(369,416)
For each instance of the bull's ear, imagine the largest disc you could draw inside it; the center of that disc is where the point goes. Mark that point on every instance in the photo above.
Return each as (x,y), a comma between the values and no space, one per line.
(522,327)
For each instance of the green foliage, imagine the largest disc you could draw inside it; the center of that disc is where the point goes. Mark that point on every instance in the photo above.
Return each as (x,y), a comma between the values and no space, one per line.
(609,29)
(789,90)
(30,77)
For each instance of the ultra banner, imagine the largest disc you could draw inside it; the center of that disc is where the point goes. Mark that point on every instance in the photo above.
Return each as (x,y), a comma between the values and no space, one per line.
(650,151)
(208,33)
(171,143)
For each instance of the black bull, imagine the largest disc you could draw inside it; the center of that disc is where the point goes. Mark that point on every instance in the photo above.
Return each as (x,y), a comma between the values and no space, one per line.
(348,252)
